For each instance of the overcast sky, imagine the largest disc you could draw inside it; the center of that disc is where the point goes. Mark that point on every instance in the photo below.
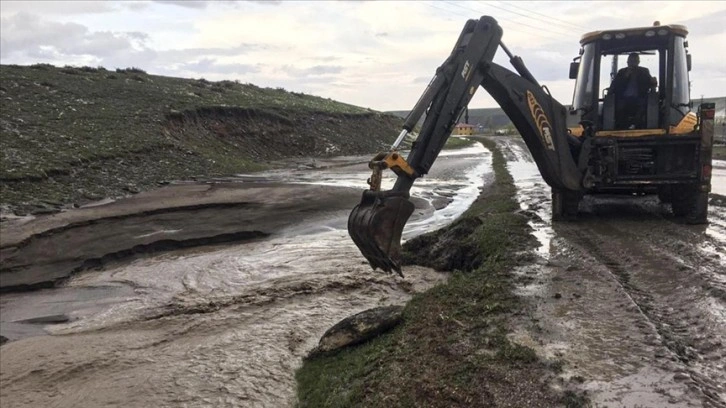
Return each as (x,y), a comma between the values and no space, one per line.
(375,54)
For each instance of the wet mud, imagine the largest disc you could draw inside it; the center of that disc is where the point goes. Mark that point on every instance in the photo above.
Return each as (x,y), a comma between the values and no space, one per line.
(40,252)
(214,325)
(630,298)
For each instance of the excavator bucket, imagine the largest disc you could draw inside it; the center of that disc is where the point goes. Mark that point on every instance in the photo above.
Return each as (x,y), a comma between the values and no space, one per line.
(376,225)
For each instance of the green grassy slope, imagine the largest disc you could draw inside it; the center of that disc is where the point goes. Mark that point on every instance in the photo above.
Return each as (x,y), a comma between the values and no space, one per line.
(69,133)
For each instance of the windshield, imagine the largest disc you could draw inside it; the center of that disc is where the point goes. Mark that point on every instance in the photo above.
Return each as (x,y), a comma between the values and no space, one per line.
(681,91)
(648,60)
(582,97)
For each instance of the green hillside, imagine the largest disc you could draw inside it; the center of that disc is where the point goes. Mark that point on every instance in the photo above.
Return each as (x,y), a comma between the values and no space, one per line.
(73,134)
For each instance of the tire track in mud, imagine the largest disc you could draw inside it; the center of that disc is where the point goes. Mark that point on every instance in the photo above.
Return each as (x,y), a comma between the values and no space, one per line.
(668,290)
(715,245)
(667,304)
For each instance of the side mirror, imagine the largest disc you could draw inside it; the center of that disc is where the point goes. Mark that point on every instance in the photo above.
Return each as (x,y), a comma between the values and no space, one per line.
(688,62)
(574,67)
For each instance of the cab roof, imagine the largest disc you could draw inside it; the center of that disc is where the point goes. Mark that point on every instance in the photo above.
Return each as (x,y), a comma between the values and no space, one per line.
(637,31)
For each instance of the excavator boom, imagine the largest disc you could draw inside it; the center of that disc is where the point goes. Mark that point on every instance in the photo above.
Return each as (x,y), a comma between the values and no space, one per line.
(376,224)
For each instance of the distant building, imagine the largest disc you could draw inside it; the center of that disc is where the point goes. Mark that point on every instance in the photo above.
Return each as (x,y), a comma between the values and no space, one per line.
(463,129)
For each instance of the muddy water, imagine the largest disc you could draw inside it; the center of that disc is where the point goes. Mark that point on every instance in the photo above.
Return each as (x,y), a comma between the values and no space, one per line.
(215,326)
(632,300)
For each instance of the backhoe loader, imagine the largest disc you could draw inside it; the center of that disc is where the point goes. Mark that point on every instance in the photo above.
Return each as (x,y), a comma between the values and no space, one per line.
(581,149)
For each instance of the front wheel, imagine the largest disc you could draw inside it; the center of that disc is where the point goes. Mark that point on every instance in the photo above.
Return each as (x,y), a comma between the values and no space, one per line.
(565,204)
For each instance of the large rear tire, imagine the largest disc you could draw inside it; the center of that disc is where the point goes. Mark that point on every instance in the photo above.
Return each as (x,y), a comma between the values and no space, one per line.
(565,205)
(690,203)
(699,209)
(665,194)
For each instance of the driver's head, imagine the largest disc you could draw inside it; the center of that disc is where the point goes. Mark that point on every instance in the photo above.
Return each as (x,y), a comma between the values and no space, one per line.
(633,60)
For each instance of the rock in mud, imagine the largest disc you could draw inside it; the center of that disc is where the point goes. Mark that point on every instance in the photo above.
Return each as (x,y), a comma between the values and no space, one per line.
(3,340)
(359,328)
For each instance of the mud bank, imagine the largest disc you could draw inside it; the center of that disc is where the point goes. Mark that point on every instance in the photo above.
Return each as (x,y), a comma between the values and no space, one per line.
(42,251)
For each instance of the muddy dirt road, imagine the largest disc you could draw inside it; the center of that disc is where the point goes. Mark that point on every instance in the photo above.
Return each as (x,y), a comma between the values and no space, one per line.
(633,301)
(217,326)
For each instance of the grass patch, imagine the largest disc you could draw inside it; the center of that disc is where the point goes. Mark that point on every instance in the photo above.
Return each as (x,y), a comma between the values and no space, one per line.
(452,349)
(454,142)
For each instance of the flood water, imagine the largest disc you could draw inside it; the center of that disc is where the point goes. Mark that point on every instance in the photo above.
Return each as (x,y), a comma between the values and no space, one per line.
(218,326)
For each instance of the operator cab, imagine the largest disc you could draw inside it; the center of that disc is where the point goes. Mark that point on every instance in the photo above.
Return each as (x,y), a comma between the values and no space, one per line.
(662,51)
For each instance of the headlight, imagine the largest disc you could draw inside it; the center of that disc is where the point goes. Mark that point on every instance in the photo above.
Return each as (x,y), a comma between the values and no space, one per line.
(619,36)
(607,36)
(662,31)
(649,33)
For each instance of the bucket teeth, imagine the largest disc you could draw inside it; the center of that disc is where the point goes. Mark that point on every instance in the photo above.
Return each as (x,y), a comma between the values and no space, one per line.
(376,225)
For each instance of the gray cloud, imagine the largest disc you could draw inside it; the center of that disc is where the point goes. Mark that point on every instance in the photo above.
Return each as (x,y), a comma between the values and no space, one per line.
(135,5)
(27,34)
(203,4)
(25,31)
(192,53)
(209,65)
(267,2)
(707,25)
(184,3)
(59,7)
(28,39)
(328,58)
(317,70)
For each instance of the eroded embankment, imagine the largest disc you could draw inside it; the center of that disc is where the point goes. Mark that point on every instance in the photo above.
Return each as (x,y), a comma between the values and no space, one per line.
(265,135)
(452,347)
(197,143)
(175,217)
